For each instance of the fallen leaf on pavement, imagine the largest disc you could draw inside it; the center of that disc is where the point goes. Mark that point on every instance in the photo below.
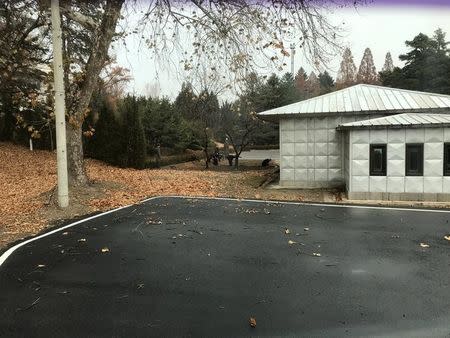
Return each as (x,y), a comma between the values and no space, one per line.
(252,322)
(287,231)
(424,245)
(105,249)
(291,242)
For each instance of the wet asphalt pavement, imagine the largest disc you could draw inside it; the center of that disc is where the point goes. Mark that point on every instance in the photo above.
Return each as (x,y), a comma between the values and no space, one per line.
(201,268)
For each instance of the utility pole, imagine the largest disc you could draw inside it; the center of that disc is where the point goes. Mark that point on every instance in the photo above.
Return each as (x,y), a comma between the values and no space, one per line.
(292,59)
(60,107)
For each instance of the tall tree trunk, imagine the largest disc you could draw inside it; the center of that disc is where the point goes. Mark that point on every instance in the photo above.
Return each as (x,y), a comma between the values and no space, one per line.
(77,171)
(99,54)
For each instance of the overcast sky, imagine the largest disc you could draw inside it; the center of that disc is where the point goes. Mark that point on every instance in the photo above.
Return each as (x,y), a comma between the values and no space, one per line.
(381,27)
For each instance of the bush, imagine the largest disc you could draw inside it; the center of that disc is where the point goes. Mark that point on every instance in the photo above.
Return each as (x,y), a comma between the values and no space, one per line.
(174,159)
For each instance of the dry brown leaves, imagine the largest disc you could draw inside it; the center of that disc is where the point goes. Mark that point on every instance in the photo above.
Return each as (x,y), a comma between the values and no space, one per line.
(28,178)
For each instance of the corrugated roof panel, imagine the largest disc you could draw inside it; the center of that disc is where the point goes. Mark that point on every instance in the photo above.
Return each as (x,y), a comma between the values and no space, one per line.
(446,100)
(440,118)
(366,98)
(326,104)
(366,93)
(303,107)
(361,98)
(403,103)
(340,101)
(319,104)
(440,103)
(354,99)
(400,120)
(412,104)
(347,102)
(386,102)
(333,103)
(393,99)
(406,119)
(429,101)
(311,105)
(420,102)
(377,99)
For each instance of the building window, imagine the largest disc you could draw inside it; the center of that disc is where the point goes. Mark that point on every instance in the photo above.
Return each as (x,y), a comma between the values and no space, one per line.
(414,160)
(377,160)
(446,159)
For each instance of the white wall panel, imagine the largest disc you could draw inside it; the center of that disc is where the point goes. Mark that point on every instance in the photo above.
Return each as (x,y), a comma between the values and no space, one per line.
(395,168)
(377,184)
(360,183)
(395,151)
(446,184)
(433,168)
(434,134)
(300,124)
(414,184)
(415,135)
(432,184)
(300,174)
(396,184)
(301,136)
(287,149)
(360,151)
(288,162)
(321,149)
(334,162)
(301,162)
(321,175)
(378,136)
(432,151)
(287,136)
(300,149)
(287,174)
(396,136)
(360,167)
(360,136)
(335,174)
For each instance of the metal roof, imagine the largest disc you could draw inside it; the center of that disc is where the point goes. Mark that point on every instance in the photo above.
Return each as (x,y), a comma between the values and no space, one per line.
(366,98)
(414,120)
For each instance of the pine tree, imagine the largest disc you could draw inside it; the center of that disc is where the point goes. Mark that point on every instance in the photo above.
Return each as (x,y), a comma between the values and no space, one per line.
(326,83)
(367,72)
(300,83)
(388,63)
(347,72)
(312,85)
(136,145)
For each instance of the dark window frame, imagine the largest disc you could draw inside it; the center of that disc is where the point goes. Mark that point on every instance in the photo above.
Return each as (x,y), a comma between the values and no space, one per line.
(372,170)
(446,171)
(419,172)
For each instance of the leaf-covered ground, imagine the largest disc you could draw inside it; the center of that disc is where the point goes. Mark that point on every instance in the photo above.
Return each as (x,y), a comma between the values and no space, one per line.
(28,180)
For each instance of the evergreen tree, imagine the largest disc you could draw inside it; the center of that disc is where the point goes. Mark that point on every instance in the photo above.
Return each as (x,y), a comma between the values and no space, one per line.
(131,109)
(108,142)
(312,85)
(300,83)
(367,72)
(185,102)
(287,85)
(347,72)
(326,83)
(388,63)
(427,65)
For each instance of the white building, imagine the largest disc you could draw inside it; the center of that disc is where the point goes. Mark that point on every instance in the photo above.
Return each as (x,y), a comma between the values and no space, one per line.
(378,142)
